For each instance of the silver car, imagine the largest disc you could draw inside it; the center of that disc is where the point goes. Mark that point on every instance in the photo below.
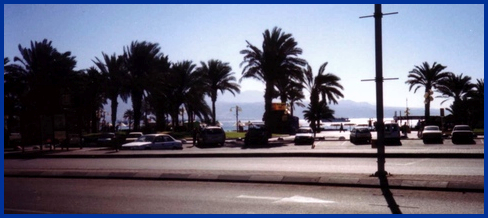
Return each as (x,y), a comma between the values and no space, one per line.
(360,134)
(154,141)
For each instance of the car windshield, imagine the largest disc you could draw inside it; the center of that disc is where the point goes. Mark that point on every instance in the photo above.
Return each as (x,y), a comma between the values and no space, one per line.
(431,128)
(146,138)
(462,128)
(134,136)
(363,130)
(213,131)
(304,131)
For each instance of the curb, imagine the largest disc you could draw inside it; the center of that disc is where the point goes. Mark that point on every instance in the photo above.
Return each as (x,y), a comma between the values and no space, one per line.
(251,154)
(371,182)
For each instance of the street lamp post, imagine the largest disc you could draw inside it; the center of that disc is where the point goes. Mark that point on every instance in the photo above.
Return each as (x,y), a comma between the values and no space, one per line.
(237,116)
(378,15)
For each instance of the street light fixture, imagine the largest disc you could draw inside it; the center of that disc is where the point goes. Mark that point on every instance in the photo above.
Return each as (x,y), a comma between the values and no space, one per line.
(237,116)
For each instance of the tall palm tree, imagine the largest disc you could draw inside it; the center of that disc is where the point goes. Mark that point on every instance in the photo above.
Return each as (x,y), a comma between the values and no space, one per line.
(160,91)
(278,57)
(458,88)
(141,61)
(428,77)
(218,77)
(325,85)
(113,69)
(91,97)
(46,75)
(188,89)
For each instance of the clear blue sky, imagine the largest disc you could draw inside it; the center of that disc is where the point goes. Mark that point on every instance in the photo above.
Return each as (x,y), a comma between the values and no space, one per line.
(452,35)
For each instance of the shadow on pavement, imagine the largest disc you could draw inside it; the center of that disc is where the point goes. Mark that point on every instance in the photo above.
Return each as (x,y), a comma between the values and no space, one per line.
(268,146)
(385,189)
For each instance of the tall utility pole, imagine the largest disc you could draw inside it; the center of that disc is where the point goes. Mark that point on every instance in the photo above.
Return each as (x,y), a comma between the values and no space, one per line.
(237,116)
(379,89)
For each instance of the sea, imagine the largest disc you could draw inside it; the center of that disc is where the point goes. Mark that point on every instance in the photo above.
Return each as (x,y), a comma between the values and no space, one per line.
(230,125)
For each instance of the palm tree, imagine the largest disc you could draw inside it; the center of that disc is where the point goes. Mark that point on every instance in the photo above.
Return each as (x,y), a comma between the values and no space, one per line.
(218,77)
(294,93)
(317,111)
(159,91)
(458,88)
(112,68)
(426,76)
(46,75)
(91,97)
(476,104)
(141,63)
(325,85)
(455,87)
(278,57)
(188,89)
(129,115)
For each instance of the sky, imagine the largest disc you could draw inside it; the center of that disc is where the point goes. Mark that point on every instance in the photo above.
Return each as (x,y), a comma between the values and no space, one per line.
(451,35)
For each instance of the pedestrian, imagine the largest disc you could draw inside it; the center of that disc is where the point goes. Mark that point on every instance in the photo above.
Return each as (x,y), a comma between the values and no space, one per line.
(194,135)
(342,128)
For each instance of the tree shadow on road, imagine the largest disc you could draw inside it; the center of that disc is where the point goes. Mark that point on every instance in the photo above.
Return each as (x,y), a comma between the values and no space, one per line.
(385,189)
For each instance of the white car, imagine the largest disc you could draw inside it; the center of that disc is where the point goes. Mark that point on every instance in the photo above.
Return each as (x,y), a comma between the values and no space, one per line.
(154,141)
(133,136)
(305,136)
(432,133)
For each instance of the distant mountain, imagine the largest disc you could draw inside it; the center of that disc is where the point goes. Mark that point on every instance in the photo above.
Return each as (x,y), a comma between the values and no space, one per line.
(254,110)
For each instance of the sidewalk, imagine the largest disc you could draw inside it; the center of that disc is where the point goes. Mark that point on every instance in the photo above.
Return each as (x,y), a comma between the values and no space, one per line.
(416,182)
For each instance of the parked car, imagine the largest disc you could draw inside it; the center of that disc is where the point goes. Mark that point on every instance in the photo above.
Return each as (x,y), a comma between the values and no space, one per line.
(304,136)
(462,133)
(392,133)
(106,139)
(132,136)
(431,134)
(211,135)
(154,141)
(256,135)
(361,134)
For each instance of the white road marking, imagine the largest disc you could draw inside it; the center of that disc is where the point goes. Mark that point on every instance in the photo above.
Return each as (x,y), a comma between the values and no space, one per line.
(259,197)
(26,211)
(410,163)
(294,199)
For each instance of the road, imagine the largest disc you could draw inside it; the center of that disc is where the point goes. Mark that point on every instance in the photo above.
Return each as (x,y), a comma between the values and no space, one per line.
(415,166)
(40,195)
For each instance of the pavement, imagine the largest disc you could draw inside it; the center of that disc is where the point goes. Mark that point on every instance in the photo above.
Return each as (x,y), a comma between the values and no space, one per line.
(331,144)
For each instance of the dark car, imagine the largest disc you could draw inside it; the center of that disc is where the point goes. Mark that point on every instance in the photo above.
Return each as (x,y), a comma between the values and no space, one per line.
(211,135)
(361,134)
(462,133)
(106,139)
(256,135)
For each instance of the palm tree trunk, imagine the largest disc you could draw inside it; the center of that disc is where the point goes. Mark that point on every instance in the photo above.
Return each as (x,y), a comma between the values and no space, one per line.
(268,98)
(427,106)
(213,112)
(137,104)
(114,110)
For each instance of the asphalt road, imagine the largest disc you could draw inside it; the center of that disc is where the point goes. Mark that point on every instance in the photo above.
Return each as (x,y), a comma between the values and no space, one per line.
(40,195)
(415,166)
